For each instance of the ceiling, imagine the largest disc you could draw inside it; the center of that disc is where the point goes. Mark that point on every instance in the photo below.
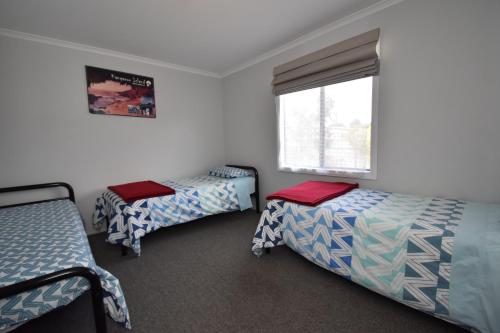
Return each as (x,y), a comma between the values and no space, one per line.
(211,35)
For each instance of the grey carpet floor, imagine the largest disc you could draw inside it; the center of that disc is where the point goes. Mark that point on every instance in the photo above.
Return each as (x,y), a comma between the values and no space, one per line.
(202,277)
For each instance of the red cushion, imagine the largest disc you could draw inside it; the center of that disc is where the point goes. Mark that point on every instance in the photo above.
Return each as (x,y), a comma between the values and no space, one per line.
(131,192)
(312,193)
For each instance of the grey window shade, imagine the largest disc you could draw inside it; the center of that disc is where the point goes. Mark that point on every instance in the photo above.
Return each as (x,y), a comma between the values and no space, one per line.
(351,59)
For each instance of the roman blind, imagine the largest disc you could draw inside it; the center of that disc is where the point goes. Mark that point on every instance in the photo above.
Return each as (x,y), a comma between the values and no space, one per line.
(354,58)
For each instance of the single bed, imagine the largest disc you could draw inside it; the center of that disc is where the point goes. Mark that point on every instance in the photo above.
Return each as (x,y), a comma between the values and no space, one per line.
(440,256)
(46,262)
(195,198)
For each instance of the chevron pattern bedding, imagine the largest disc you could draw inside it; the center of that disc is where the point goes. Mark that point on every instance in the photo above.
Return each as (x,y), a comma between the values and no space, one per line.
(401,246)
(42,238)
(194,198)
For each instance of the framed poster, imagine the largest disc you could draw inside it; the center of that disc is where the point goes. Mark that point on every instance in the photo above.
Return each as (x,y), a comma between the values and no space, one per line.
(121,94)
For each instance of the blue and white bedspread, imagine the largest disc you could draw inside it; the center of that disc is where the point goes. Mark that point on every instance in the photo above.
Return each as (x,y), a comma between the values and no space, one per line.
(40,239)
(194,198)
(440,256)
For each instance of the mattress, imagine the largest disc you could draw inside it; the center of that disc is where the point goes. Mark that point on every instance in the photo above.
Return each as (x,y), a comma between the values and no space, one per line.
(437,255)
(195,198)
(40,239)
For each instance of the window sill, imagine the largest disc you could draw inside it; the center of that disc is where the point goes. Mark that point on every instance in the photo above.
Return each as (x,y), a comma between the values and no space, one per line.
(370,175)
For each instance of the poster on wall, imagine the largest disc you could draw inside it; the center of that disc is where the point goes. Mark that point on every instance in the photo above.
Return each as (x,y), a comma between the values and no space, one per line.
(121,94)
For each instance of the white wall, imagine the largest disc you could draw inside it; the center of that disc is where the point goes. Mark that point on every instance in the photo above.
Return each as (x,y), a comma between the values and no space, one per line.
(48,134)
(438,128)
(439,110)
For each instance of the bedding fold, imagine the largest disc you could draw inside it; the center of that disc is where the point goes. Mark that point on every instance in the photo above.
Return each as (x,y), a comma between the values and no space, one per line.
(312,193)
(475,291)
(131,192)
(244,186)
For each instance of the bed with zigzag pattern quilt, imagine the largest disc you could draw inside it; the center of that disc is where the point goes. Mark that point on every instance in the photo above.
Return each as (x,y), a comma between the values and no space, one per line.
(43,238)
(194,198)
(440,256)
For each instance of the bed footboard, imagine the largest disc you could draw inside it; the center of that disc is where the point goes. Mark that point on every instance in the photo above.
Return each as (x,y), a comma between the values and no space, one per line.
(90,275)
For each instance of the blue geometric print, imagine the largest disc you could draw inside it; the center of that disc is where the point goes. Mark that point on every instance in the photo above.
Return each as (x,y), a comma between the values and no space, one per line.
(398,245)
(194,198)
(40,239)
(428,266)
(322,234)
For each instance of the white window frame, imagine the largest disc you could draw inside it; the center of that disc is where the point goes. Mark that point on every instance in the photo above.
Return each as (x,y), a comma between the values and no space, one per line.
(344,173)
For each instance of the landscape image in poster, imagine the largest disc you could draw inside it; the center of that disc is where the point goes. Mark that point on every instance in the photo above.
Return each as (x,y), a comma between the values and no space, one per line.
(117,93)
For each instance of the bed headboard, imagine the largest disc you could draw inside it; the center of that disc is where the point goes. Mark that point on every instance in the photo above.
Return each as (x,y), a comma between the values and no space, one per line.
(256,176)
(71,193)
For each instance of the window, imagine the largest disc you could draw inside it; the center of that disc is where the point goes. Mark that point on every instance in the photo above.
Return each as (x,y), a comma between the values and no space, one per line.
(327,109)
(330,130)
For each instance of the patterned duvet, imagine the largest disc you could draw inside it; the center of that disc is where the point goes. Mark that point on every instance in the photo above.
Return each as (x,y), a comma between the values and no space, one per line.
(43,238)
(440,256)
(194,198)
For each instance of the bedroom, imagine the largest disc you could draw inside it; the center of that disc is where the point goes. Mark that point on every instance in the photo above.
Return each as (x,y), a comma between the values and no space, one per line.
(433,132)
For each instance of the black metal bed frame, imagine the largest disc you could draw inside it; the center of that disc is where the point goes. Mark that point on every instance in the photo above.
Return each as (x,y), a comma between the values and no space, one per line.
(40,281)
(71,193)
(255,195)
